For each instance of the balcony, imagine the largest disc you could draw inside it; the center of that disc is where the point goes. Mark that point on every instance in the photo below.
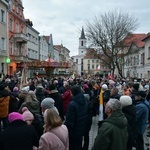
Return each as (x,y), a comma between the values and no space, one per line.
(18,58)
(20,37)
(3,52)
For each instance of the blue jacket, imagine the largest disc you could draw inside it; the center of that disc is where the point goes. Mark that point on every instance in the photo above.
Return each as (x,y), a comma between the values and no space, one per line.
(142,112)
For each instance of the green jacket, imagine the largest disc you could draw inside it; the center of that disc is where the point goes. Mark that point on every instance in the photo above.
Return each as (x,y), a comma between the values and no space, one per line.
(112,134)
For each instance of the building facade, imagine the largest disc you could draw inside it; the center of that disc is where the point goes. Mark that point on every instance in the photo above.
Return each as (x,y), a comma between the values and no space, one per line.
(146,57)
(17,35)
(3,37)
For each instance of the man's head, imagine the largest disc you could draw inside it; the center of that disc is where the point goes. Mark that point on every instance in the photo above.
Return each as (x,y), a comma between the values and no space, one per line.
(112,106)
(140,95)
(75,90)
(114,91)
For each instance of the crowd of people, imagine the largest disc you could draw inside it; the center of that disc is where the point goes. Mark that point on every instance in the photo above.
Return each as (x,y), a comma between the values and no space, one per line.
(57,114)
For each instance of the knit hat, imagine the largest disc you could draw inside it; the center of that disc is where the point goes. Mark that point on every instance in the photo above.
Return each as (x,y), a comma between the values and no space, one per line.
(48,103)
(104,86)
(136,86)
(125,100)
(15,89)
(141,93)
(85,86)
(14,116)
(27,115)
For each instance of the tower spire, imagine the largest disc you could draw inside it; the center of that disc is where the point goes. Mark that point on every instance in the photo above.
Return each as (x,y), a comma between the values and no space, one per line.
(82,34)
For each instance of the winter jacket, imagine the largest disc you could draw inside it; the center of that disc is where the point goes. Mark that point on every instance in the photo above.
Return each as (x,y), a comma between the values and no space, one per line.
(18,136)
(4,103)
(130,114)
(76,117)
(55,95)
(66,97)
(55,139)
(142,112)
(112,134)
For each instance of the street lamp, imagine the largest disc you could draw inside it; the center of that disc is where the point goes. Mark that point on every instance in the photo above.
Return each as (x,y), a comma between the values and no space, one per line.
(7,62)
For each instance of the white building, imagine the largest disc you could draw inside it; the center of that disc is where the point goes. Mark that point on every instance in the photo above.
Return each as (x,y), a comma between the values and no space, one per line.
(146,57)
(82,50)
(43,48)
(32,44)
(135,60)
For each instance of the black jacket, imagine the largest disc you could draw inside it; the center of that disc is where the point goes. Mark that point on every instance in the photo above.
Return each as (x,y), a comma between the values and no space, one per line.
(77,116)
(18,136)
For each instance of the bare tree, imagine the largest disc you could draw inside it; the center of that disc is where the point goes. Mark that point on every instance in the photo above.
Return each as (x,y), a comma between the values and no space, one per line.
(107,31)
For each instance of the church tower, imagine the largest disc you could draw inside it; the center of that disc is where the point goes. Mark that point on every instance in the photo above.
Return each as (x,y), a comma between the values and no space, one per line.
(82,43)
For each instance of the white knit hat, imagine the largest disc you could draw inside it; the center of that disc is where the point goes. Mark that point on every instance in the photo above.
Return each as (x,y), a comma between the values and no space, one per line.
(125,100)
(104,86)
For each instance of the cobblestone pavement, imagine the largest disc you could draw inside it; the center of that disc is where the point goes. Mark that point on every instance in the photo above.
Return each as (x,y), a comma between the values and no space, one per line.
(94,129)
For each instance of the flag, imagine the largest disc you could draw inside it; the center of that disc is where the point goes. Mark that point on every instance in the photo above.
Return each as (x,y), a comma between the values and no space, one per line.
(23,78)
(101,115)
(98,68)
(72,76)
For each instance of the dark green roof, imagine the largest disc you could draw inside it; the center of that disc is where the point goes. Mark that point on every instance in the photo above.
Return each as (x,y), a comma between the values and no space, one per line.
(82,34)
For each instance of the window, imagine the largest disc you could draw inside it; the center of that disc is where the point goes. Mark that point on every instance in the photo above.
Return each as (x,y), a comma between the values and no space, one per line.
(142,58)
(11,25)
(3,41)
(81,43)
(93,61)
(11,47)
(3,16)
(137,60)
(88,66)
(17,9)
(92,66)
(148,52)
(88,61)
(76,60)
(17,27)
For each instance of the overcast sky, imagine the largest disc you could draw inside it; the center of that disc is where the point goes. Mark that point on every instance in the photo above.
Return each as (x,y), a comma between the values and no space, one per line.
(64,18)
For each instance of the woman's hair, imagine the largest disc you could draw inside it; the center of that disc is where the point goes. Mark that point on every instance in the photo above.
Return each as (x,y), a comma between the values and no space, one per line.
(52,118)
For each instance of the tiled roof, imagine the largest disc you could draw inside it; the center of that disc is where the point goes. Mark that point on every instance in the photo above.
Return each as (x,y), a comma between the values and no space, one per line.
(47,38)
(136,39)
(148,36)
(91,54)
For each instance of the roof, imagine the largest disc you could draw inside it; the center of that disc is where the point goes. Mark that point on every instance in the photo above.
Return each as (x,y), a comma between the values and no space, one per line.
(148,36)
(91,54)
(136,39)
(47,38)
(82,34)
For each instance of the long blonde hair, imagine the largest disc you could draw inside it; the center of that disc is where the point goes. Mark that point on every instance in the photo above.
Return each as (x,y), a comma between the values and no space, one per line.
(52,119)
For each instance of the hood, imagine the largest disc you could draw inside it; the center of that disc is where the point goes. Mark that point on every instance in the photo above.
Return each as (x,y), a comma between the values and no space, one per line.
(143,101)
(79,98)
(4,93)
(33,106)
(118,119)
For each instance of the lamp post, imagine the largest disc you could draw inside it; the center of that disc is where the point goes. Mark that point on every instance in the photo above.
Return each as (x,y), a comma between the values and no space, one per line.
(7,62)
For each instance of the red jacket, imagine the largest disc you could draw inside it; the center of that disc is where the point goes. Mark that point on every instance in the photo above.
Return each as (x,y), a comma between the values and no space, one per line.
(67,96)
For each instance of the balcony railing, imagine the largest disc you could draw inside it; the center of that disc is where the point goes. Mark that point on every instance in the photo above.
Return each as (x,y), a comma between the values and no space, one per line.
(20,37)
(19,58)
(3,52)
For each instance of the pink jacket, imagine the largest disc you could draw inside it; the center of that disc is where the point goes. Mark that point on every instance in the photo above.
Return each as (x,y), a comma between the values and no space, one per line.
(55,139)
